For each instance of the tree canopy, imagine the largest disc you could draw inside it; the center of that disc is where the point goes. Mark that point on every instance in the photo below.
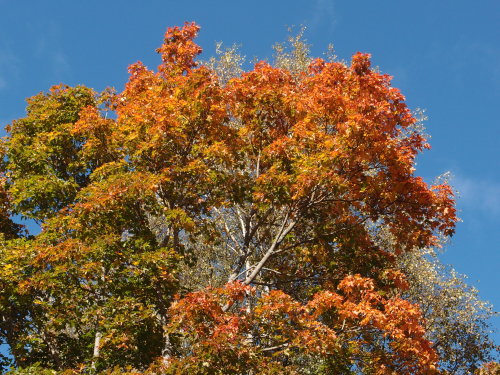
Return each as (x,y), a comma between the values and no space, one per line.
(210,220)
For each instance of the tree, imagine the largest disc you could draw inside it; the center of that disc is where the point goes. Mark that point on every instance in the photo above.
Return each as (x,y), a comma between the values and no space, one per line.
(456,319)
(208,220)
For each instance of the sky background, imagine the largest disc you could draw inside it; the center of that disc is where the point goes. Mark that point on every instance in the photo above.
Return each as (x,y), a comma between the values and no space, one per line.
(444,56)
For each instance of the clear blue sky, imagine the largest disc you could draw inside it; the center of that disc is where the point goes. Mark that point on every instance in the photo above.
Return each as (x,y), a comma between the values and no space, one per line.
(444,56)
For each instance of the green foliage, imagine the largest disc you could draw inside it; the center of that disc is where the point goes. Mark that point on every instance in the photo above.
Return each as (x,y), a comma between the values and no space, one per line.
(44,165)
(208,220)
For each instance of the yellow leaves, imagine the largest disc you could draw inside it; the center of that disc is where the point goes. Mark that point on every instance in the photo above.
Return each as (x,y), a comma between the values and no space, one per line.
(323,156)
(109,169)
(179,218)
(8,270)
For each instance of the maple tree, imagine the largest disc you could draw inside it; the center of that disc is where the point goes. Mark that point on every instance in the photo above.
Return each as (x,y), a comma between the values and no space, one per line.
(209,220)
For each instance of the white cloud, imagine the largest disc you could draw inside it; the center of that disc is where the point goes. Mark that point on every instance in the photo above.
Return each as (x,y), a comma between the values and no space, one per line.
(324,12)
(48,48)
(8,66)
(60,64)
(477,194)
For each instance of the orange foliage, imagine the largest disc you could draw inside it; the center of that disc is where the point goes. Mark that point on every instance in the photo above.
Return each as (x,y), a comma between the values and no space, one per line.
(295,173)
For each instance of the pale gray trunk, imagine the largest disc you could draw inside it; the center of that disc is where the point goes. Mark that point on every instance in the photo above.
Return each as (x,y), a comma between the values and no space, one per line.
(166,352)
(97,348)
(248,301)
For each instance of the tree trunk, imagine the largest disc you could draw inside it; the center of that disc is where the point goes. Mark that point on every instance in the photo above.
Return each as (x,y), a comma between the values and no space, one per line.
(95,357)
(166,352)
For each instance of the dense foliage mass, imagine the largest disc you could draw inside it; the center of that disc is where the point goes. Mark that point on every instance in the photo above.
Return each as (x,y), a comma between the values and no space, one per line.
(208,220)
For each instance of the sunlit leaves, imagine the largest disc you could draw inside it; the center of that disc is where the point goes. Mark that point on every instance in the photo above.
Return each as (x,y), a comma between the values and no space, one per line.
(207,220)
(280,327)
(43,163)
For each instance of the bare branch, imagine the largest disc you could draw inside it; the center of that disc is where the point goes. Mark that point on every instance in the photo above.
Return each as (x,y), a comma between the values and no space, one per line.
(284,230)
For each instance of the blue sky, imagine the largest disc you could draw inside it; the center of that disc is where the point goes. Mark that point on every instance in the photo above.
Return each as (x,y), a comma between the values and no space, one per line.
(444,56)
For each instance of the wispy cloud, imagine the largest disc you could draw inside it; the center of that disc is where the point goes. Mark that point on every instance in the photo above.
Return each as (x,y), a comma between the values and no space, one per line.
(60,64)
(8,66)
(467,59)
(48,47)
(479,195)
(323,14)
